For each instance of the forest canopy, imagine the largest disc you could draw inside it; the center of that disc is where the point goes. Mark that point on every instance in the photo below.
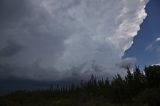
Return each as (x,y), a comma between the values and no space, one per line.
(139,87)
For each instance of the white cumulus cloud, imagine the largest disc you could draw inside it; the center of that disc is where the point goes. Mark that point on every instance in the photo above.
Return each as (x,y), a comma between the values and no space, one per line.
(102,30)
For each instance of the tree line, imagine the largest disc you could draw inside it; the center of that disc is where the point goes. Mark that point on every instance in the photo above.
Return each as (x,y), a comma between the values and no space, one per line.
(137,88)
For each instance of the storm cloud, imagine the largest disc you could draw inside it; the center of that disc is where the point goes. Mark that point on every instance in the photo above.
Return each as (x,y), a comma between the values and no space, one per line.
(11,49)
(52,37)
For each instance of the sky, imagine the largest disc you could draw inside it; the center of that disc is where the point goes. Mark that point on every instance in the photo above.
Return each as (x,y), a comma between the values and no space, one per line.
(146,44)
(51,40)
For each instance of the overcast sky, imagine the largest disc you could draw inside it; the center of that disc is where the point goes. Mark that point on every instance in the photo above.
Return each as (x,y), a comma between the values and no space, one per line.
(56,39)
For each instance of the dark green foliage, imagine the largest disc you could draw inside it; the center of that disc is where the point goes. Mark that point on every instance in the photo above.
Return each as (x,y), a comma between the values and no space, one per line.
(152,74)
(136,89)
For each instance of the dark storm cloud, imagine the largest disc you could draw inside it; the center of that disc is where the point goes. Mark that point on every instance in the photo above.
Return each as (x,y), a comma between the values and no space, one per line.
(62,33)
(29,73)
(5,70)
(12,11)
(29,33)
(11,49)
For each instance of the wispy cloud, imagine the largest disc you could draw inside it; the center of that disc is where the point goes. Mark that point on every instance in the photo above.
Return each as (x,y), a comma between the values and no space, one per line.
(154,46)
(158,39)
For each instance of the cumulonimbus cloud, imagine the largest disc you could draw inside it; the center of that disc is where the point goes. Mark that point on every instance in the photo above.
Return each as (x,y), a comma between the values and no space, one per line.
(66,33)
